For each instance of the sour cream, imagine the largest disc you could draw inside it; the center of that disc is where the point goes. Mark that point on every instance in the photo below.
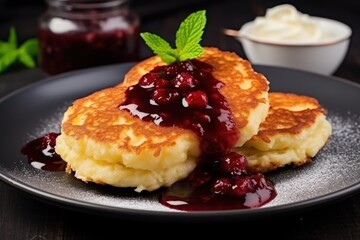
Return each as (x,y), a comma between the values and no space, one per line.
(285,24)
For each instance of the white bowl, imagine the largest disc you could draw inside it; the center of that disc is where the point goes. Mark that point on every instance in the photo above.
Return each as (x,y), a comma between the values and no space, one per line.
(323,57)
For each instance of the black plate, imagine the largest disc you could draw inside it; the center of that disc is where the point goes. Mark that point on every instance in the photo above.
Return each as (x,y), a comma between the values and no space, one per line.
(37,109)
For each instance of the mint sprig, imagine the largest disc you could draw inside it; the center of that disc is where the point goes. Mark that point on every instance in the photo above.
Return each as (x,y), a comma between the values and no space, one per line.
(10,53)
(187,41)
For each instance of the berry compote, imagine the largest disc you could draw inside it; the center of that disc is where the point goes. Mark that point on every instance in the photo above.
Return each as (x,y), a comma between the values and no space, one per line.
(186,94)
(41,154)
(62,52)
(79,34)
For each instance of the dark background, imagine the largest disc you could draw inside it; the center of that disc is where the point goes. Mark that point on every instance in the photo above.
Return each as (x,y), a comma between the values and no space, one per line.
(23,14)
(22,217)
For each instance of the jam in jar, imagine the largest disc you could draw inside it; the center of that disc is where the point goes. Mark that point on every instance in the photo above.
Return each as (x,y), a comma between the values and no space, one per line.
(77,34)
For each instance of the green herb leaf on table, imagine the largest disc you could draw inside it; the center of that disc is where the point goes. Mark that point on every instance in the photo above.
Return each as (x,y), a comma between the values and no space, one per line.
(10,53)
(187,41)
(13,38)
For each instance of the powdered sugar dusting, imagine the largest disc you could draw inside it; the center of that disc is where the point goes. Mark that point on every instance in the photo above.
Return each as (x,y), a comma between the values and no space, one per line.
(51,124)
(336,167)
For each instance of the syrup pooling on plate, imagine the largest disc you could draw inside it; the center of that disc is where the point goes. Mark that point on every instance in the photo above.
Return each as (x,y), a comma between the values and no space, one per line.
(186,95)
(41,154)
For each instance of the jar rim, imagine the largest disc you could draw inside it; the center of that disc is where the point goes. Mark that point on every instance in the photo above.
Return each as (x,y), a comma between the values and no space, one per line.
(86,4)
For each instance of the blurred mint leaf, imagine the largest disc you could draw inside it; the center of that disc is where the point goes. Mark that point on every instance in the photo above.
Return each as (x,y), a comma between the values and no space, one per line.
(5,47)
(31,46)
(12,37)
(7,59)
(10,53)
(26,59)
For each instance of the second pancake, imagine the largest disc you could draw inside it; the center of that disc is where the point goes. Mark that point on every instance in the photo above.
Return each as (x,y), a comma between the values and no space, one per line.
(294,131)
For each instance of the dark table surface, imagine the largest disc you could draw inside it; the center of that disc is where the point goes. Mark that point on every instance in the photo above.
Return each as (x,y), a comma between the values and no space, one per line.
(25,217)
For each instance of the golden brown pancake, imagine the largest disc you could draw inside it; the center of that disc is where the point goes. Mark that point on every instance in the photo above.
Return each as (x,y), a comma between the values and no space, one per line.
(105,145)
(294,131)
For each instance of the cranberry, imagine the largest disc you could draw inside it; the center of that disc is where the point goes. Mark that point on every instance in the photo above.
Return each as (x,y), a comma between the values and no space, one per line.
(186,66)
(163,96)
(259,181)
(242,186)
(170,71)
(162,83)
(185,81)
(233,163)
(148,80)
(222,186)
(196,99)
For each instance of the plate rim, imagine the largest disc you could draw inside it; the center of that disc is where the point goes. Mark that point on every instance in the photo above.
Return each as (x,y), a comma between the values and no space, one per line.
(249,214)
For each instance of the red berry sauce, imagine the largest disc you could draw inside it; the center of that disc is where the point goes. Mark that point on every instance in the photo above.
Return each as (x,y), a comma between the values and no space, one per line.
(185,94)
(62,52)
(41,153)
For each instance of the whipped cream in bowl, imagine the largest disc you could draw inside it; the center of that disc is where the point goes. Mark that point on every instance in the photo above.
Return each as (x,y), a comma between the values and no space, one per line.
(286,37)
(284,24)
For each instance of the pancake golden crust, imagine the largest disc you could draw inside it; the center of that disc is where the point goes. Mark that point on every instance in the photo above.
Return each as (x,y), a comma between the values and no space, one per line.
(106,145)
(293,132)
(289,114)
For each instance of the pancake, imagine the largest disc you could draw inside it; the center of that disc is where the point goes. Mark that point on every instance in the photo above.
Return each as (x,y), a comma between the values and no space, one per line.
(294,131)
(106,145)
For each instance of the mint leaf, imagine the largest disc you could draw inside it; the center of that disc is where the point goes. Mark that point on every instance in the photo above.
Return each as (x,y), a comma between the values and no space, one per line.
(26,59)
(5,47)
(10,53)
(191,52)
(187,41)
(160,47)
(189,34)
(7,59)
(31,46)
(13,38)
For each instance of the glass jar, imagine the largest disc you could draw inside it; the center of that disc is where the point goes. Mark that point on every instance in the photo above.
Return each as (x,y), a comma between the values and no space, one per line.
(75,34)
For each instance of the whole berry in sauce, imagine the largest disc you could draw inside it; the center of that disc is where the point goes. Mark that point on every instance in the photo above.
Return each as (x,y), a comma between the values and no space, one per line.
(148,80)
(170,71)
(162,83)
(221,186)
(233,163)
(185,81)
(242,186)
(186,66)
(196,99)
(163,96)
